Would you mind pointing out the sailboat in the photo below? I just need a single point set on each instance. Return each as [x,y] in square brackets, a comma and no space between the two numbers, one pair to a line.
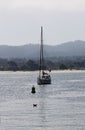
[44,77]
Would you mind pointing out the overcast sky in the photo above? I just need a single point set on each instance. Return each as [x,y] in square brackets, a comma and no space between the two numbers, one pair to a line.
[62,20]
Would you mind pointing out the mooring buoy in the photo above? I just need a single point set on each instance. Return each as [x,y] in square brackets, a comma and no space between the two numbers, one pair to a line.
[33,90]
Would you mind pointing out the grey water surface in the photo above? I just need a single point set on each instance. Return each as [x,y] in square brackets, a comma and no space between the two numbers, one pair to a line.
[60,106]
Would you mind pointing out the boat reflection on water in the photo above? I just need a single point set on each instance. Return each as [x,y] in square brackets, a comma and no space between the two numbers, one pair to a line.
[42,108]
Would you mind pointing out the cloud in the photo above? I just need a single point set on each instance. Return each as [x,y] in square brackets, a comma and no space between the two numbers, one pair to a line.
[20,20]
[66,5]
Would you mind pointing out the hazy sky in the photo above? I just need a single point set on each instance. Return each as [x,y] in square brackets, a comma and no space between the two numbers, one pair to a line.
[62,20]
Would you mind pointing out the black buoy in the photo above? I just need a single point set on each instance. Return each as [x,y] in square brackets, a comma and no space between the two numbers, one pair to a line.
[33,90]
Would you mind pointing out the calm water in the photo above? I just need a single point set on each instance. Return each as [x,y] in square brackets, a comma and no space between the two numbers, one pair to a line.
[60,106]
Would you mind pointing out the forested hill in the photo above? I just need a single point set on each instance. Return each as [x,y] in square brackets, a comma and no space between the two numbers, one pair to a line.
[72,48]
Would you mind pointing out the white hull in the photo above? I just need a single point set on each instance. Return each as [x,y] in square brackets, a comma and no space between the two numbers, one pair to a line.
[41,80]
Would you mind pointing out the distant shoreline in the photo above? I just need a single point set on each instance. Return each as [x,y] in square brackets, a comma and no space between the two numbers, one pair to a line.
[74,70]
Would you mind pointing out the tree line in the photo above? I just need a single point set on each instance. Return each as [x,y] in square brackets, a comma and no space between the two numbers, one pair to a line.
[32,65]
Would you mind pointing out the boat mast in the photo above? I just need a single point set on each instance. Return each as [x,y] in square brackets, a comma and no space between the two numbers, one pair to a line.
[41,53]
